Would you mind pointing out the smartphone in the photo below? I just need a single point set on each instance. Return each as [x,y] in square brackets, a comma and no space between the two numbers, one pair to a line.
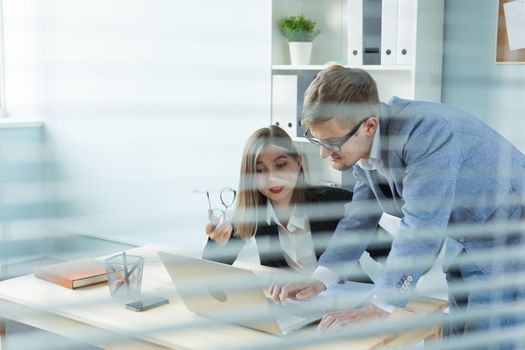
[146,303]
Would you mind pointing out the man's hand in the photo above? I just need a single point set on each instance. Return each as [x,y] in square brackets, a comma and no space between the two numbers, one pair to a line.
[295,290]
[220,234]
[339,319]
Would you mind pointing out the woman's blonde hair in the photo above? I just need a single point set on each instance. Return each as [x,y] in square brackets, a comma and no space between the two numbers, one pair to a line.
[250,202]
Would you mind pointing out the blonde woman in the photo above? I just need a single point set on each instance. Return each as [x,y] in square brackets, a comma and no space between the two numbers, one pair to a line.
[290,220]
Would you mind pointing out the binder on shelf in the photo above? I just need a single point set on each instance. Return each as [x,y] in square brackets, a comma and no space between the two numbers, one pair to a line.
[405,22]
[389,10]
[355,32]
[372,32]
[284,102]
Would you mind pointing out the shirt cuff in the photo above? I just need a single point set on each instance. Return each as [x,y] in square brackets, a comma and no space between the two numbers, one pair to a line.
[326,276]
[383,306]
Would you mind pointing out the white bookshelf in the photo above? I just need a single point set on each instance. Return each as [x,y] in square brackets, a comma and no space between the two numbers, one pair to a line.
[276,68]
[420,79]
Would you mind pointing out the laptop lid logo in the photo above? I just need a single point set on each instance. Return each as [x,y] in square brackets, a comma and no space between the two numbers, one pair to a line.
[218,294]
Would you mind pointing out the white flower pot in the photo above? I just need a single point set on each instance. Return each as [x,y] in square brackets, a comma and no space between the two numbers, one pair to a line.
[300,52]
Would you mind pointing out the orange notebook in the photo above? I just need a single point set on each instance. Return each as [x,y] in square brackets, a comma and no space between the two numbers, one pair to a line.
[75,273]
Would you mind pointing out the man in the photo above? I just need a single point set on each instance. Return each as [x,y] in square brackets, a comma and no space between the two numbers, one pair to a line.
[454,180]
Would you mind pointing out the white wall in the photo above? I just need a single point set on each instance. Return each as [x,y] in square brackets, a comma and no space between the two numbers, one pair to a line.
[471,79]
[144,102]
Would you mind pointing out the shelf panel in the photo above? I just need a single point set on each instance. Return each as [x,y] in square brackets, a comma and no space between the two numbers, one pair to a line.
[288,67]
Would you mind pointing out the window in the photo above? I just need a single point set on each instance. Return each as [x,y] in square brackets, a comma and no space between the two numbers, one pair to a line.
[2,72]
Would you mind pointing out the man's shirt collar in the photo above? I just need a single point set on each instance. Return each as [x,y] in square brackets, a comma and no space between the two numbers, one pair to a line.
[374,162]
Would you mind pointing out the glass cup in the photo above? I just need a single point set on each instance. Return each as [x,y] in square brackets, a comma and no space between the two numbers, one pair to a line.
[124,275]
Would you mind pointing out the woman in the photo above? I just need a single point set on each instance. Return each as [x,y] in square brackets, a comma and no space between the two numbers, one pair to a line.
[290,220]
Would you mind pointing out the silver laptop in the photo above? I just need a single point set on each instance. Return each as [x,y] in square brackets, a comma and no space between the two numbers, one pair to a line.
[227,293]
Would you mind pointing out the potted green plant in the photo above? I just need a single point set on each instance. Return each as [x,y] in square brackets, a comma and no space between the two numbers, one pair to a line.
[300,32]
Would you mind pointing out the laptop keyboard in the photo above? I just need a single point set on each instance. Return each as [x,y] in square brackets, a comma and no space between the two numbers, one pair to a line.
[288,321]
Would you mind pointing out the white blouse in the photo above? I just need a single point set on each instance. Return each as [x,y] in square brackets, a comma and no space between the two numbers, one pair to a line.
[295,239]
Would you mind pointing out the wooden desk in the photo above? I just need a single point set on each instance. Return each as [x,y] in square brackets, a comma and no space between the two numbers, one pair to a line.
[90,315]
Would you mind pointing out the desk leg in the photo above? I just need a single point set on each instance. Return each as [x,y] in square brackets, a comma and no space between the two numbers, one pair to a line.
[2,331]
[436,336]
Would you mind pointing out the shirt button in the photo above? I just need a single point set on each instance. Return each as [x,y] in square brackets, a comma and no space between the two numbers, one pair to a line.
[410,278]
[461,240]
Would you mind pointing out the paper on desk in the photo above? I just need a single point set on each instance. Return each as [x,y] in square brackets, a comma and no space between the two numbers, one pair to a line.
[515,22]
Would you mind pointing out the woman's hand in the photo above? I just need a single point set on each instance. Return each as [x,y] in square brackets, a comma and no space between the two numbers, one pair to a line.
[220,234]
[295,290]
